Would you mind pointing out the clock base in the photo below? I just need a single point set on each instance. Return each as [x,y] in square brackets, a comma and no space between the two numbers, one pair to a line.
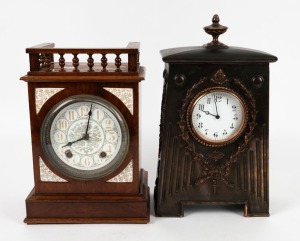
[87,208]
[177,209]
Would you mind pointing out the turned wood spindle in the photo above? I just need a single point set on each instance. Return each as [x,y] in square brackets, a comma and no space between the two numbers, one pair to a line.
[75,63]
[104,62]
[47,62]
[90,63]
[42,60]
[62,63]
[118,62]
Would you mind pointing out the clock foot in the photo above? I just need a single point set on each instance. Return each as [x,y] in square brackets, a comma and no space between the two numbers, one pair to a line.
[169,210]
[258,215]
[97,208]
[252,212]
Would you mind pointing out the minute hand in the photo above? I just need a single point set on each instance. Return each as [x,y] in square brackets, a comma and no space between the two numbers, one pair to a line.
[87,127]
[215,100]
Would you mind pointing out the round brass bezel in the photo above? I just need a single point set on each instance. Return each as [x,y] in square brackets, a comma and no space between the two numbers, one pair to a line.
[216,143]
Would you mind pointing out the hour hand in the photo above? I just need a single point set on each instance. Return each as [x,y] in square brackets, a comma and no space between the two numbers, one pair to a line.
[208,113]
[72,142]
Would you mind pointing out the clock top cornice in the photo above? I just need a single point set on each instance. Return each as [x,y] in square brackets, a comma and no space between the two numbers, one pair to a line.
[215,51]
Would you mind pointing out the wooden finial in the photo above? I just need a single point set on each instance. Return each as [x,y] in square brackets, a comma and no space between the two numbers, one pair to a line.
[215,29]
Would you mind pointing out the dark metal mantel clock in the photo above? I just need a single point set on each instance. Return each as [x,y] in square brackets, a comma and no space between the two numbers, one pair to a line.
[85,136]
[214,132]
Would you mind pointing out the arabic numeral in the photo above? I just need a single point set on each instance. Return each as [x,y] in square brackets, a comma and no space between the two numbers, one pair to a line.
[206,132]
[224,133]
[216,134]
[235,117]
[200,125]
[218,98]
[201,107]
[231,127]
[208,100]
[198,116]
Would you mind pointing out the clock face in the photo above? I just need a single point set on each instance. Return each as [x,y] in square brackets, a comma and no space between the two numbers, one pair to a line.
[217,116]
[85,137]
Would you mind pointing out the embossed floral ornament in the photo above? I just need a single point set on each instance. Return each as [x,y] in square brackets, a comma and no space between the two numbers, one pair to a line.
[219,78]
[42,95]
[216,156]
[95,141]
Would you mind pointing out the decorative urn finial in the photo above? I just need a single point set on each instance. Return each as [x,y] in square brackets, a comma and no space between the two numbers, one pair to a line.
[215,29]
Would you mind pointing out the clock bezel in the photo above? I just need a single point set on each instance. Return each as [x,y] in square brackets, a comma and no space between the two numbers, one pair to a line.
[216,143]
[71,171]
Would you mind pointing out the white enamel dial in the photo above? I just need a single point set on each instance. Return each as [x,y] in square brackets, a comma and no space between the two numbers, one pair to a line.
[217,116]
[85,137]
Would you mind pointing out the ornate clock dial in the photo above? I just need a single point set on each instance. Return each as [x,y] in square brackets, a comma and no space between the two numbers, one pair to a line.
[85,137]
[217,116]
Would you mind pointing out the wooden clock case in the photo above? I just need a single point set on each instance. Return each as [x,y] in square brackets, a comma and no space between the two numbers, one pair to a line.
[190,172]
[70,200]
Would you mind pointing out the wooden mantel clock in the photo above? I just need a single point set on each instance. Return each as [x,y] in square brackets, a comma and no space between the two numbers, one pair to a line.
[214,132]
[85,136]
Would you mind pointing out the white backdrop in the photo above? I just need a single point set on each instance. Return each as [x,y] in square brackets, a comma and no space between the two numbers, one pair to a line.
[266,25]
